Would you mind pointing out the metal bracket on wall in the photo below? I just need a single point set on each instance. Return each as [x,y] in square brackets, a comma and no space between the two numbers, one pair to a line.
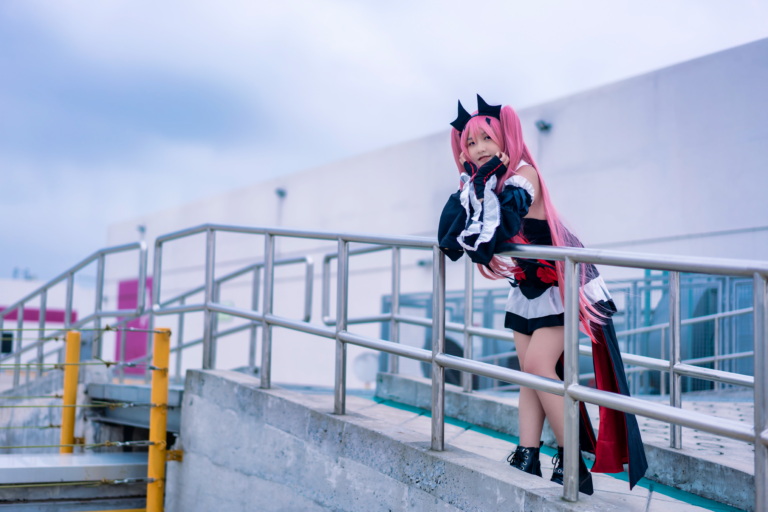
[175,455]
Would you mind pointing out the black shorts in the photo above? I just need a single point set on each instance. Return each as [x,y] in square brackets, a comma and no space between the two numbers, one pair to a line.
[527,325]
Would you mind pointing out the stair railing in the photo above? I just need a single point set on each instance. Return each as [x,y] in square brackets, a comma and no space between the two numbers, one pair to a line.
[569,388]
[41,294]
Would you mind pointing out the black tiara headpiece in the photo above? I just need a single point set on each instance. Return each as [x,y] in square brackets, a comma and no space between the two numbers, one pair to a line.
[483,109]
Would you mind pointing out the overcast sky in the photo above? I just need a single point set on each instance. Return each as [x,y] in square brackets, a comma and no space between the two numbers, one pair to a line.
[112,109]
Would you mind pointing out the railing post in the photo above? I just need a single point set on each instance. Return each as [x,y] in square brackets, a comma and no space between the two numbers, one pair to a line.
[97,341]
[71,374]
[760,319]
[571,373]
[394,329]
[19,344]
[254,325]
[41,332]
[342,301]
[209,348]
[265,372]
[469,295]
[438,347]
[158,420]
[662,355]
[675,329]
[179,342]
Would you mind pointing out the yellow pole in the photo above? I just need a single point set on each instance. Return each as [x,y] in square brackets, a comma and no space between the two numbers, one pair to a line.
[71,371]
[158,419]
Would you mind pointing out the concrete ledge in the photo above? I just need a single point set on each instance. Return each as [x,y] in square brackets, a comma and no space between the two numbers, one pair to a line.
[275,449]
[680,469]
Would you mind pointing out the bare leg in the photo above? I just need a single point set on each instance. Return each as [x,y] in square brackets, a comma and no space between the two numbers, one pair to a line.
[541,356]
[531,413]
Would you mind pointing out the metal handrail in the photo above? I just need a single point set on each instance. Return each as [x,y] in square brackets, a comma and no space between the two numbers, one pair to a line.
[569,388]
[68,275]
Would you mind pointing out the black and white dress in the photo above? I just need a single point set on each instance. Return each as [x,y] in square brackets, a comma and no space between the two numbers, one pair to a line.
[498,224]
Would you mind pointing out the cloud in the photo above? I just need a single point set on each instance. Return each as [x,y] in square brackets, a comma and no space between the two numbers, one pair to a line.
[127,105]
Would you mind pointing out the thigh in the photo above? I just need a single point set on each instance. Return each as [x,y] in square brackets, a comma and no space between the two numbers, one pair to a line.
[522,342]
[544,349]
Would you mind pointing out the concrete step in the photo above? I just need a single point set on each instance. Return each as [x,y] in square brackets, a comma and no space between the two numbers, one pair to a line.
[286,451]
[133,393]
[708,466]
[72,482]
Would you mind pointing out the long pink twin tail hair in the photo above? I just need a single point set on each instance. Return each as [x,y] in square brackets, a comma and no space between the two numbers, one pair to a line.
[507,133]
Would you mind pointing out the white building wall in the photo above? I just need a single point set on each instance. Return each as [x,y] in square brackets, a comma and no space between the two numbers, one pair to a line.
[668,162]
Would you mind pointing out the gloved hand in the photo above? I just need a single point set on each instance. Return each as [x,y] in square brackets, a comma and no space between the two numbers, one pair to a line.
[494,166]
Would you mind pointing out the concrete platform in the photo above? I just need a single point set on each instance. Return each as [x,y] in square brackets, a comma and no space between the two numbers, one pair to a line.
[286,451]
[708,466]
[77,467]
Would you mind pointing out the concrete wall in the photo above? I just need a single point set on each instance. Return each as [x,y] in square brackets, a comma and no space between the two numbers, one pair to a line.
[251,449]
[669,162]
[48,385]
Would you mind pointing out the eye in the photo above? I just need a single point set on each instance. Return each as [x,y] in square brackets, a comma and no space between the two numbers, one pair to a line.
[487,137]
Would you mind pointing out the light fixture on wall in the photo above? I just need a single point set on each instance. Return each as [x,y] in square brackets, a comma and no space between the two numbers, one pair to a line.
[543,126]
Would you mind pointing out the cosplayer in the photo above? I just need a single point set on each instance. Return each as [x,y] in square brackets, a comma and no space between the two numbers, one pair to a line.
[502,201]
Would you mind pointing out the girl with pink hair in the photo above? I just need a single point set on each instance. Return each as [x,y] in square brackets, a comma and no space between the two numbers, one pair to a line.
[502,201]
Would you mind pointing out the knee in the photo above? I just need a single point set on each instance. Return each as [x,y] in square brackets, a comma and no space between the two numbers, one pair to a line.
[540,368]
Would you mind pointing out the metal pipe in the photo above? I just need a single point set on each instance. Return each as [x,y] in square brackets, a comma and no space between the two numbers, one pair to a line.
[419,354]
[342,289]
[394,326]
[325,307]
[744,268]
[140,303]
[469,296]
[68,300]
[662,377]
[308,283]
[19,343]
[83,263]
[158,421]
[500,373]
[571,453]
[300,326]
[438,348]
[209,347]
[174,310]
[760,319]
[41,334]
[254,326]
[69,399]
[690,419]
[98,301]
[265,373]
[215,319]
[699,372]
[675,398]
[198,341]
[179,344]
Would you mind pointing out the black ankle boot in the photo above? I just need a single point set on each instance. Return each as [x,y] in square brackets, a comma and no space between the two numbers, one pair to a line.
[525,459]
[585,477]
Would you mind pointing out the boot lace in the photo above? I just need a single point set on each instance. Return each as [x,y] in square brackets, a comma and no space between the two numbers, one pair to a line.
[517,458]
[557,463]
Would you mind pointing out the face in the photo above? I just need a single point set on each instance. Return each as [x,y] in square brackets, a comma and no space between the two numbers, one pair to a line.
[482,149]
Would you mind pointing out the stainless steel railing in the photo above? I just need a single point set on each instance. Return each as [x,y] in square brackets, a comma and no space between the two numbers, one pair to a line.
[570,388]
[337,329]
[69,275]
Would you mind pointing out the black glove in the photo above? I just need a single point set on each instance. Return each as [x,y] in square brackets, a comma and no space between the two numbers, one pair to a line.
[470,168]
[494,166]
